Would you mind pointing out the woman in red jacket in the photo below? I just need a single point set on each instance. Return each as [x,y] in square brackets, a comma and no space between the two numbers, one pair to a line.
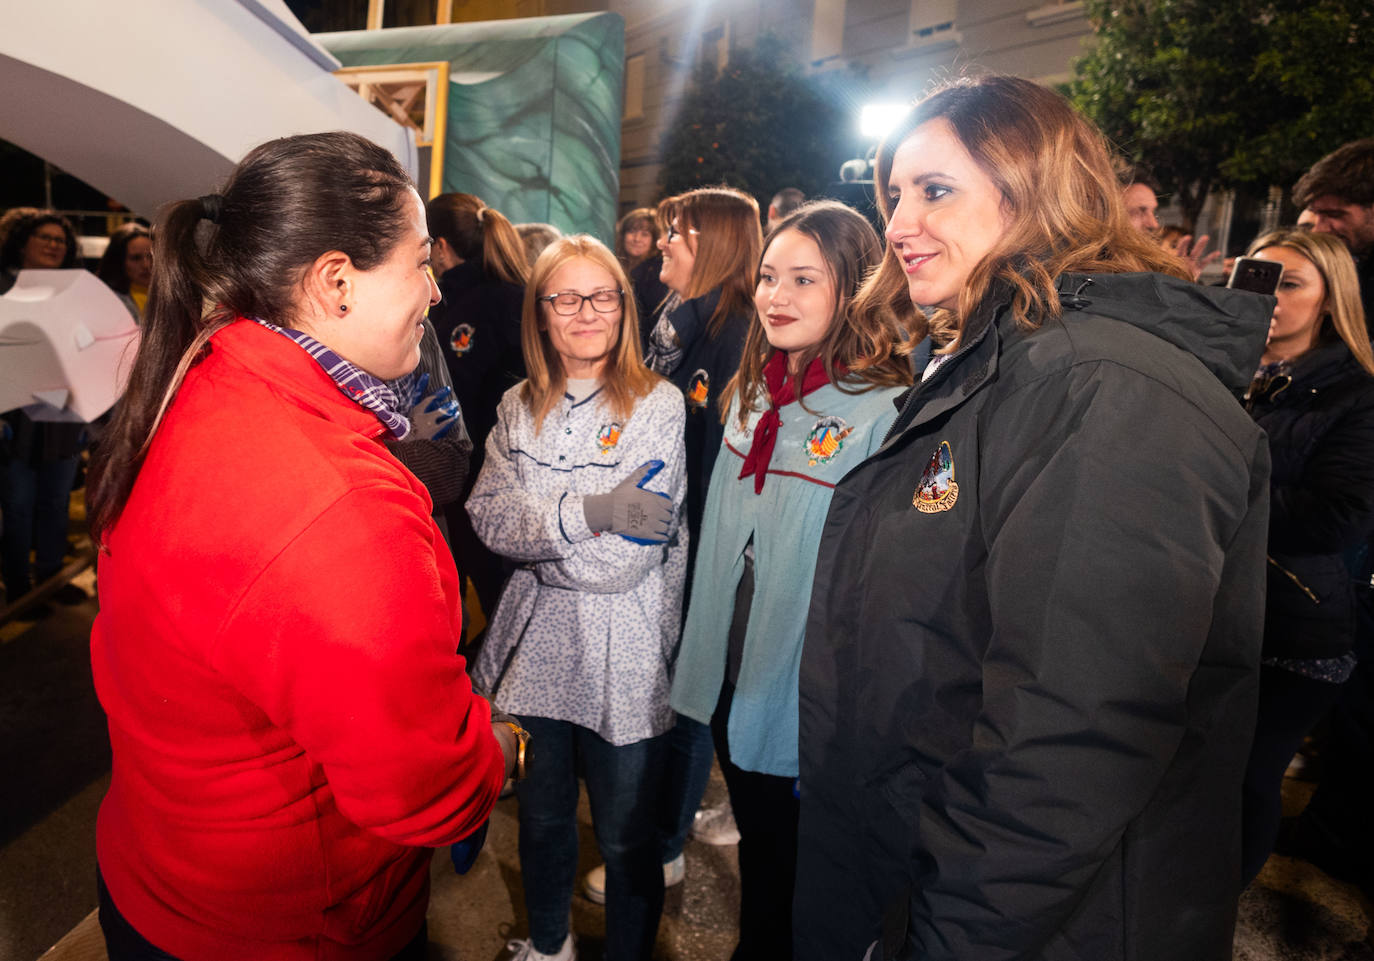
[291,728]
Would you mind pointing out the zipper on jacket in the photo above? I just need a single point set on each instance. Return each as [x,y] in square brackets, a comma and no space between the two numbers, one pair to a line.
[1295,579]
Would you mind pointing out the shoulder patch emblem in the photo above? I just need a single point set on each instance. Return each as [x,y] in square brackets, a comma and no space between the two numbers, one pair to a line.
[937,491]
[608,437]
[461,340]
[826,439]
[698,389]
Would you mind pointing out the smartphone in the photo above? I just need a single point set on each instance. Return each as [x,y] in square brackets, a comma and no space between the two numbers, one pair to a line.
[1254,274]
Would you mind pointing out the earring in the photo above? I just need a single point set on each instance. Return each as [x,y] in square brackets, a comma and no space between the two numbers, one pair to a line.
[343,308]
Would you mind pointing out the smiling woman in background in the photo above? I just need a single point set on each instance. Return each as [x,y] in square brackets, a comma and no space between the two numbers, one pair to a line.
[38,458]
[1028,681]
[582,642]
[813,397]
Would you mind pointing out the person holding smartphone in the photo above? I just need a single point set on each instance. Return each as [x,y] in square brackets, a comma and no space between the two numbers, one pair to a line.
[1314,397]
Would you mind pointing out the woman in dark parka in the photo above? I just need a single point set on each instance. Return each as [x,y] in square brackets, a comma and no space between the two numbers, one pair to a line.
[1028,683]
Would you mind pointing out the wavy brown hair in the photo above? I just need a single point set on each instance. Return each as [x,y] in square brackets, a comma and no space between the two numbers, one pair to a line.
[727,245]
[625,379]
[868,345]
[1059,191]
[641,218]
[1342,313]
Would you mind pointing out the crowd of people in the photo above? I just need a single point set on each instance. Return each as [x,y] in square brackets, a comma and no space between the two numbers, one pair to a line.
[1001,564]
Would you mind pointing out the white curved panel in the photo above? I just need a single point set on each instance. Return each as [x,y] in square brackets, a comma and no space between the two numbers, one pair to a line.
[155,100]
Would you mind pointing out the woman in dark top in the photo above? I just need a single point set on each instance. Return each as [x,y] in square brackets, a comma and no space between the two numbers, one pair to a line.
[127,266]
[38,458]
[710,252]
[1314,397]
[481,266]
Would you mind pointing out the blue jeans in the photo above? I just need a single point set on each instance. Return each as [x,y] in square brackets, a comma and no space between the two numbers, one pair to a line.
[622,785]
[35,503]
[689,769]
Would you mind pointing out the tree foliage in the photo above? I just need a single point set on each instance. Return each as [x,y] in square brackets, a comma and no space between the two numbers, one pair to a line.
[1228,93]
[759,125]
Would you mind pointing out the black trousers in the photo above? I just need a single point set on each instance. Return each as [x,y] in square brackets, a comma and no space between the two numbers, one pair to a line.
[766,811]
[1336,831]
[123,943]
[1290,705]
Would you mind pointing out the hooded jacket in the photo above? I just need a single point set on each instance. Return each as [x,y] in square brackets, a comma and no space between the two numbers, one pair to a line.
[1320,422]
[1028,685]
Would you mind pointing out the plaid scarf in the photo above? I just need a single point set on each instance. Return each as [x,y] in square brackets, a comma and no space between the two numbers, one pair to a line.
[353,382]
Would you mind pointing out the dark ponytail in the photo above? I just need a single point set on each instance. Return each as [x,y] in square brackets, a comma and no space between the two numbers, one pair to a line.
[287,202]
[479,233]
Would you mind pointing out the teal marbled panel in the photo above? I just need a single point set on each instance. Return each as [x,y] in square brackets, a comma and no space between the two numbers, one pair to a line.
[540,142]
[585,180]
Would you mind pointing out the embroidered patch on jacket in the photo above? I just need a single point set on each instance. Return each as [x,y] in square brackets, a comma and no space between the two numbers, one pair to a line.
[826,439]
[461,341]
[608,437]
[698,389]
[937,491]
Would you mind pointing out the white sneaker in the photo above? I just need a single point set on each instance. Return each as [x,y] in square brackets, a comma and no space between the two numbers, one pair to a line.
[594,884]
[523,950]
[715,825]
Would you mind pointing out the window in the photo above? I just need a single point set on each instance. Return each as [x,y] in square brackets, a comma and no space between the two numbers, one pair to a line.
[634,87]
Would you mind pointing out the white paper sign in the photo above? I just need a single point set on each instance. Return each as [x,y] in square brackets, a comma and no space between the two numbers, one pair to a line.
[64,337]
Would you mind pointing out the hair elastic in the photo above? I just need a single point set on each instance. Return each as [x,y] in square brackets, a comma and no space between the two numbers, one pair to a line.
[211,207]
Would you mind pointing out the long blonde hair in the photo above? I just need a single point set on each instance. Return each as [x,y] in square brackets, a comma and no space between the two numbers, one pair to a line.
[728,242]
[625,378]
[1060,192]
[869,348]
[1343,314]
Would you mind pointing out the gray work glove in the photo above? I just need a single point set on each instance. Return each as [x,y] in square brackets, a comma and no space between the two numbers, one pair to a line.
[642,516]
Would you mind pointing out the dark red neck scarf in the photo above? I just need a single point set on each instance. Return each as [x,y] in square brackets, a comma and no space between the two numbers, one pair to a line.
[782,391]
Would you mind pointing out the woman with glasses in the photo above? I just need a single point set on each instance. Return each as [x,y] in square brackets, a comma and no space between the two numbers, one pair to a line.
[38,458]
[582,486]
[1314,397]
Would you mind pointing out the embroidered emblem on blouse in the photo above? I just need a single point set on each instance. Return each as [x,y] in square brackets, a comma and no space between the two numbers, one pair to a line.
[461,341]
[698,389]
[937,491]
[825,440]
[608,437]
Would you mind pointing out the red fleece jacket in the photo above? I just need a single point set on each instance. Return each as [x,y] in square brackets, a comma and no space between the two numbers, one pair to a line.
[275,652]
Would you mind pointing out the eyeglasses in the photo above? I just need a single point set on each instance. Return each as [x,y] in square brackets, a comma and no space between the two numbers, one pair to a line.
[674,232]
[567,303]
[54,240]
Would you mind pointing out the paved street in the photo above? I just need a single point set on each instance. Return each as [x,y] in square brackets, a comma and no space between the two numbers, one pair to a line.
[55,765]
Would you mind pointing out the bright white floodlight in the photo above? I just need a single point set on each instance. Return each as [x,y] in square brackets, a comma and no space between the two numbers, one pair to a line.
[876,119]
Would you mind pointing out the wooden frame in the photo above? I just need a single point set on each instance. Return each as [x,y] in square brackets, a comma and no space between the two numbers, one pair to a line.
[415,95]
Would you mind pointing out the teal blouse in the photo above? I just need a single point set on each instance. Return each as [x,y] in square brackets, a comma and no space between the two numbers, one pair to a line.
[816,446]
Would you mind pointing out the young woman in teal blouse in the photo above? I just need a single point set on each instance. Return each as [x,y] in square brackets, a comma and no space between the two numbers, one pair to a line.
[766,504]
